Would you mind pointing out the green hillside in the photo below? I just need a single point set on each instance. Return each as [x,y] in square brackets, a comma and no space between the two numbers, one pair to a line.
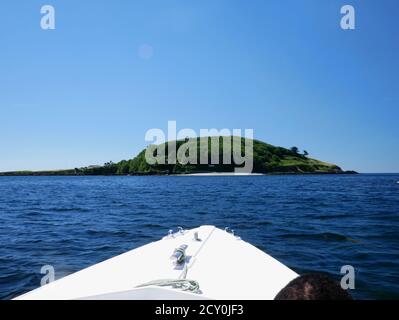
[267,159]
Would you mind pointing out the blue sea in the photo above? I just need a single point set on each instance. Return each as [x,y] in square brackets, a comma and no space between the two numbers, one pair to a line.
[312,223]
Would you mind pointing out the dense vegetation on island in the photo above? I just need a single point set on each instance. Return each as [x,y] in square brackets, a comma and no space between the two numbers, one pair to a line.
[267,159]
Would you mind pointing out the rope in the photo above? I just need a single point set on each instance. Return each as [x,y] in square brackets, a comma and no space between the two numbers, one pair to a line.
[182,284]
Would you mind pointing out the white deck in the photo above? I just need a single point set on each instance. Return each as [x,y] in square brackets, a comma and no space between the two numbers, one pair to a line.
[225,266]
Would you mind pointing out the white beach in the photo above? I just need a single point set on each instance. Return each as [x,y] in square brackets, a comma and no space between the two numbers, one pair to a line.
[227,174]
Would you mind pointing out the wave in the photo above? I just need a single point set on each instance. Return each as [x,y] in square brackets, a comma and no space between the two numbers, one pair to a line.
[326,236]
[105,233]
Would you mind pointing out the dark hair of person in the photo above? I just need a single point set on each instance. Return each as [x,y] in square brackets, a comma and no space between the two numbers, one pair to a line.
[313,287]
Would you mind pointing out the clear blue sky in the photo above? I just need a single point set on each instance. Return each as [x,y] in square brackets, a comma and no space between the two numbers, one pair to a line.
[82,94]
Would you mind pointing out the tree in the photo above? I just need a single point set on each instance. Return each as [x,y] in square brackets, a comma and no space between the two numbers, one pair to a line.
[294,150]
[305,153]
[123,167]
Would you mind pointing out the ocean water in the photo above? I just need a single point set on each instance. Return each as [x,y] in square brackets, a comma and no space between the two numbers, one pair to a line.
[313,223]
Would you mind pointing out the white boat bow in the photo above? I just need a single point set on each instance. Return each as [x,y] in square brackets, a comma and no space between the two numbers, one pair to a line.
[223,266]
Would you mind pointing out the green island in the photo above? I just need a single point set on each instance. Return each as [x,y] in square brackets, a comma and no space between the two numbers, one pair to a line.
[267,159]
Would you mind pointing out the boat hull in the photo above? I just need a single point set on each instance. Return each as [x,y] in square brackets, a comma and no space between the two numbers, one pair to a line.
[225,267]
